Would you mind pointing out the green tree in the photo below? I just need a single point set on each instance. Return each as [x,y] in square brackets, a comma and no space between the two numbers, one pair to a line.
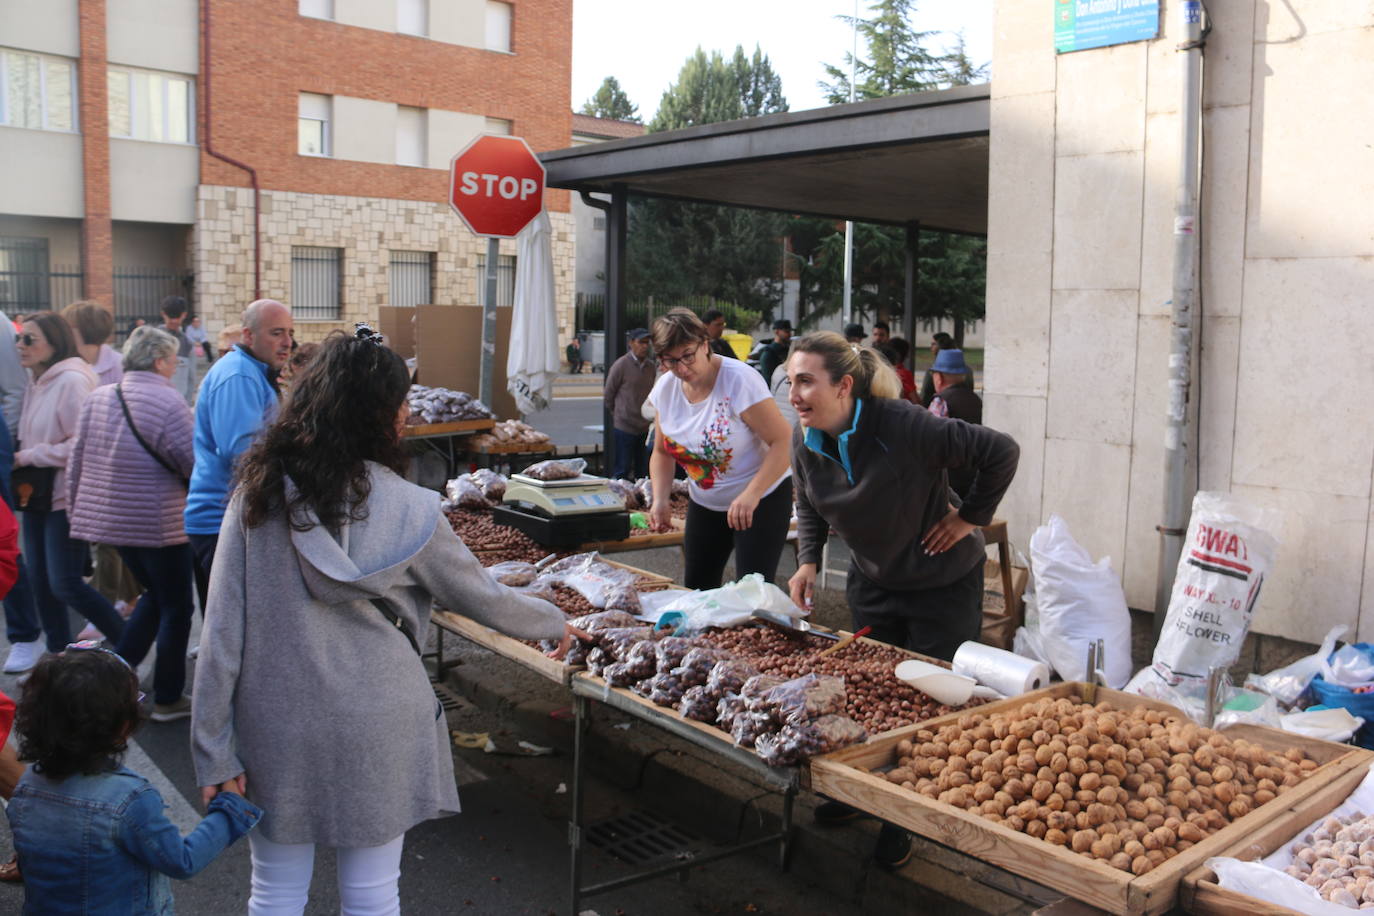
[678,250]
[610,101]
[897,60]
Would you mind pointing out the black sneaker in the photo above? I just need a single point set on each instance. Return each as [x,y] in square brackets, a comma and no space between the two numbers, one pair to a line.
[893,849]
[833,812]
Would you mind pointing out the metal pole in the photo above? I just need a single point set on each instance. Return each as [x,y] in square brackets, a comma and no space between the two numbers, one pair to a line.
[848,310]
[616,224]
[581,723]
[910,289]
[489,322]
[1176,434]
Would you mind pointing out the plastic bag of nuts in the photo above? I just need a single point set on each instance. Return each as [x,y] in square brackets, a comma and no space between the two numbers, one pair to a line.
[696,667]
[665,690]
[699,703]
[728,709]
[729,675]
[795,743]
[749,726]
[513,573]
[671,651]
[618,640]
[493,484]
[603,620]
[756,689]
[556,469]
[807,697]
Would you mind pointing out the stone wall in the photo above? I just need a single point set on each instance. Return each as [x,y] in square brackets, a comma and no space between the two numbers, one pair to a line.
[1083,165]
[367,229]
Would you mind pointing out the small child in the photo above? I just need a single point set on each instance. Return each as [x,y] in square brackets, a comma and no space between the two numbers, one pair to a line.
[90,834]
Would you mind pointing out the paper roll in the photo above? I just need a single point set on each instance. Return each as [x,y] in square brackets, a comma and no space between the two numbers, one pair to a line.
[1005,672]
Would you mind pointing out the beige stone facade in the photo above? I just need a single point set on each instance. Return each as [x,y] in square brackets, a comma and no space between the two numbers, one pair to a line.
[1083,166]
[367,229]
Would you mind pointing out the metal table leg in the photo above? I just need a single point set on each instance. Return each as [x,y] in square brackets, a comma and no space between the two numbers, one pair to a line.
[785,847]
[581,722]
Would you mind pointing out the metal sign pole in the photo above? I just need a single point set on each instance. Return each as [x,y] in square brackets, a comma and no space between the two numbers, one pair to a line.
[489,322]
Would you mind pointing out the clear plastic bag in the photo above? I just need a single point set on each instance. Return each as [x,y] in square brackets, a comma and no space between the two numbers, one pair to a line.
[465,494]
[810,696]
[732,604]
[1349,666]
[748,727]
[696,665]
[626,491]
[598,660]
[556,469]
[756,689]
[540,589]
[729,675]
[617,641]
[795,743]
[620,674]
[671,651]
[603,585]
[514,573]
[665,690]
[493,484]
[1288,683]
[603,620]
[728,708]
[699,703]
[641,659]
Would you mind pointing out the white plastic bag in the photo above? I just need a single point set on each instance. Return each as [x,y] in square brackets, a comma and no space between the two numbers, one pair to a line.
[1337,725]
[1225,558]
[1261,881]
[1348,666]
[732,604]
[1286,684]
[1080,602]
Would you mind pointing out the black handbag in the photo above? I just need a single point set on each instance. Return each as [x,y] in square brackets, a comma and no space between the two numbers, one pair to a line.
[32,488]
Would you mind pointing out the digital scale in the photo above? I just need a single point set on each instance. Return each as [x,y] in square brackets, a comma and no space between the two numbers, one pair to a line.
[563,513]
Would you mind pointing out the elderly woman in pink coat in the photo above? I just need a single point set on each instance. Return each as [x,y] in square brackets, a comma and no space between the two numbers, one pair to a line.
[126,481]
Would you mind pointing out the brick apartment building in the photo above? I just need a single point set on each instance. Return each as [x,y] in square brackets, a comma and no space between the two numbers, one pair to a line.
[131,133]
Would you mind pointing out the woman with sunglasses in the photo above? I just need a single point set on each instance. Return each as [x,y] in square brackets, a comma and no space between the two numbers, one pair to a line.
[717,420]
[309,681]
[47,431]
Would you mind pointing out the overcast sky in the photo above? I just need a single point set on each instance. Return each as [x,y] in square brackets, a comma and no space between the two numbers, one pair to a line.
[643,43]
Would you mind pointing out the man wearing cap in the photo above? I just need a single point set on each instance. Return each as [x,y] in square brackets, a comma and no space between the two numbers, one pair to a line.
[957,402]
[854,333]
[628,383]
[940,341]
[775,353]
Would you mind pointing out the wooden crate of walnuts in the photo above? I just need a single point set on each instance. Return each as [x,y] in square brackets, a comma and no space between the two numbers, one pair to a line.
[1112,804]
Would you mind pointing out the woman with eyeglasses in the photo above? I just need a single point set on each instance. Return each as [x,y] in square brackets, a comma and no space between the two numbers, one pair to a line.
[309,683]
[47,431]
[716,418]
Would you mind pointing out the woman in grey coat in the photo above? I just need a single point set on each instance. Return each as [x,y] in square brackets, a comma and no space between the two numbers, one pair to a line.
[305,689]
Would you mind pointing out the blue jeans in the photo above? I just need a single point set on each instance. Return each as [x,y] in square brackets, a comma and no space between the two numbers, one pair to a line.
[58,561]
[631,456]
[21,617]
[163,613]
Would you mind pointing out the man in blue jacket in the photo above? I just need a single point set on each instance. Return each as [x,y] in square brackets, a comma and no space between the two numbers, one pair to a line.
[237,398]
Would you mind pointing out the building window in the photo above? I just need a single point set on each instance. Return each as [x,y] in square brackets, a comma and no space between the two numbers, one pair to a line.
[500,126]
[313,125]
[412,17]
[498,26]
[505,280]
[24,281]
[315,282]
[317,9]
[411,278]
[37,91]
[151,106]
[410,136]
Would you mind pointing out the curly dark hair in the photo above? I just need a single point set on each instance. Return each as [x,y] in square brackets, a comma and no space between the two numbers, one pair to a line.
[77,713]
[340,414]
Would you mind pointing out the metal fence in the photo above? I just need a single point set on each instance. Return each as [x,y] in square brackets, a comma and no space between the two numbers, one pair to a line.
[505,280]
[591,312]
[24,291]
[139,291]
[315,282]
[411,273]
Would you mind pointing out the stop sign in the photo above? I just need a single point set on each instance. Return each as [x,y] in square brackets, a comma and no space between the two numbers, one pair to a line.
[496,184]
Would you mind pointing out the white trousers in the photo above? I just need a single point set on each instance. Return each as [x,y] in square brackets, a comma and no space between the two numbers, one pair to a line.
[368,878]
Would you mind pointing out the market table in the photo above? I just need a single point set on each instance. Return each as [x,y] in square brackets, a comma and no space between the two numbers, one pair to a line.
[442,438]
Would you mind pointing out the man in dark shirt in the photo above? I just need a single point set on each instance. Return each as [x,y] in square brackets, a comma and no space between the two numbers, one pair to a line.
[714,319]
[628,383]
[775,353]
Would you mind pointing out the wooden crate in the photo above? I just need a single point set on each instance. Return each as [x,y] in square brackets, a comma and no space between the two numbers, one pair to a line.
[1200,893]
[416,431]
[641,542]
[505,646]
[843,776]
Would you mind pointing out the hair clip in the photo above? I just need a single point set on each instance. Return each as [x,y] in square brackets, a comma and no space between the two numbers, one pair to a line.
[363,331]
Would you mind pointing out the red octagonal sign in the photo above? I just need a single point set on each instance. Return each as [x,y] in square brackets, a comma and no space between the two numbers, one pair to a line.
[496,184]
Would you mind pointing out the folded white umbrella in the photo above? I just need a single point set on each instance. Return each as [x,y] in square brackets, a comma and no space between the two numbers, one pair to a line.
[532,364]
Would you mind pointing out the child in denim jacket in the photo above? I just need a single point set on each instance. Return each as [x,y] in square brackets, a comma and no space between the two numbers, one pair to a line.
[91,834]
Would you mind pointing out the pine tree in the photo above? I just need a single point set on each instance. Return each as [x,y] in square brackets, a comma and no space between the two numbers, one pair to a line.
[610,101]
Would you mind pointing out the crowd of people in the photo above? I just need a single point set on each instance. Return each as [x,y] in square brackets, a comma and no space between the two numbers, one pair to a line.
[279,492]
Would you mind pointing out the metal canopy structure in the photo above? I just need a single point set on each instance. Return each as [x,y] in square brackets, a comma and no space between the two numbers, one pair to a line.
[912,158]
[919,161]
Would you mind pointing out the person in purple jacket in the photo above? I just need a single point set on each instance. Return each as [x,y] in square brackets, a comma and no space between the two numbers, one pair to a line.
[126,481]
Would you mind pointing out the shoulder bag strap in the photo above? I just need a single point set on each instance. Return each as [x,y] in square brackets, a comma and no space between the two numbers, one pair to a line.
[128,417]
[397,622]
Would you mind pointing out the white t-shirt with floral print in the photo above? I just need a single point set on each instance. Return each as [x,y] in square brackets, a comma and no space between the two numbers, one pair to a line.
[717,449]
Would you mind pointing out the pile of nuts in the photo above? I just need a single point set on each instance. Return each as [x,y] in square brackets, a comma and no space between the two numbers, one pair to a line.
[1338,860]
[876,699]
[1132,788]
